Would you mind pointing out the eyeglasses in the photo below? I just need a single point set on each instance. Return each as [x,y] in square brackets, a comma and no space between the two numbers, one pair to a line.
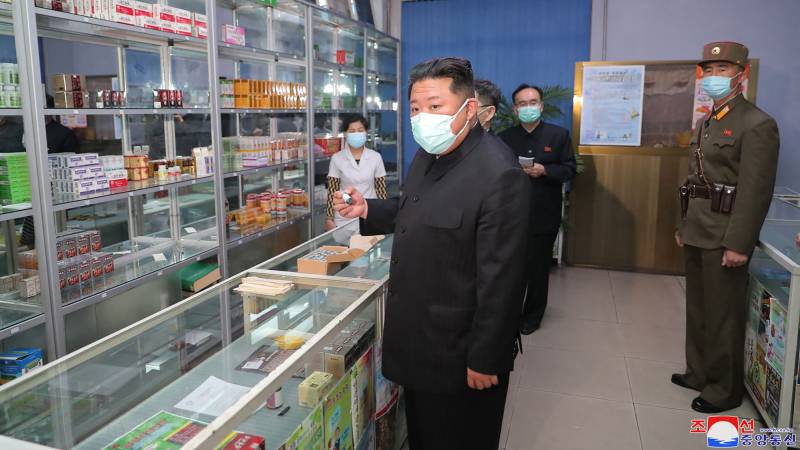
[530,103]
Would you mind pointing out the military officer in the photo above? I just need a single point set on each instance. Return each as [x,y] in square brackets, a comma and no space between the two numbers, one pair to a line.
[724,202]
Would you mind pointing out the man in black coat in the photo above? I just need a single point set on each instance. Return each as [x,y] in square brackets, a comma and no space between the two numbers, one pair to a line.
[553,164]
[457,268]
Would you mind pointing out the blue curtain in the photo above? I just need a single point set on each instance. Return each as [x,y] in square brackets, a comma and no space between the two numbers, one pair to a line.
[508,41]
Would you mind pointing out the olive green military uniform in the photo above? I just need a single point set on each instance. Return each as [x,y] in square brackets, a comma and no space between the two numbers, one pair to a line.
[739,143]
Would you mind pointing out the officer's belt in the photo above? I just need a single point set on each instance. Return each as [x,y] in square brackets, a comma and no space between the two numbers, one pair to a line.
[699,191]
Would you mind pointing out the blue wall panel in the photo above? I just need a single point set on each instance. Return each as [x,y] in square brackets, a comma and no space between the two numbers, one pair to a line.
[508,42]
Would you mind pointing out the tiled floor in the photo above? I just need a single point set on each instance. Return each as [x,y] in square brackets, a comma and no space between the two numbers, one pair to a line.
[596,375]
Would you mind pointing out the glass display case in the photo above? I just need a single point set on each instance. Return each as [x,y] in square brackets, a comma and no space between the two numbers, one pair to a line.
[772,337]
[175,370]
[149,149]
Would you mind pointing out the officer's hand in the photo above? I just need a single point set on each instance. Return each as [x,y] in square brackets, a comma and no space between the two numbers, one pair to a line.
[797,240]
[678,239]
[733,258]
[538,170]
[480,381]
[358,208]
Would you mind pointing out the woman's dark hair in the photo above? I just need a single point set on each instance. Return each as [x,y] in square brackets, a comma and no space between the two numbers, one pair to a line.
[353,118]
[457,69]
[524,86]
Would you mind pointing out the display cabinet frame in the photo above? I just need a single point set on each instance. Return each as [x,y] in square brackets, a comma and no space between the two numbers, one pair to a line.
[31,23]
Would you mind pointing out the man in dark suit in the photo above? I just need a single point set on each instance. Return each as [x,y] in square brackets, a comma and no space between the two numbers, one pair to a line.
[553,164]
[457,267]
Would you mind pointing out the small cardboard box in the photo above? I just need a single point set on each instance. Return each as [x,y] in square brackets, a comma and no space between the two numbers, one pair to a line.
[327,259]
[364,242]
[313,389]
[198,276]
[347,347]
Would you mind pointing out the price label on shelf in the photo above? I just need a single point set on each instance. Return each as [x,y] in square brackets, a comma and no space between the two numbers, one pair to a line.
[159,257]
[190,230]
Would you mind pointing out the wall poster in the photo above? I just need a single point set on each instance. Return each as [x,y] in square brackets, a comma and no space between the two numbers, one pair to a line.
[612,105]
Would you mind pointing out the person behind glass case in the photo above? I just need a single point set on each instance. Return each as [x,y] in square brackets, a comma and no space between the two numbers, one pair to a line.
[457,265]
[553,163]
[724,202]
[355,166]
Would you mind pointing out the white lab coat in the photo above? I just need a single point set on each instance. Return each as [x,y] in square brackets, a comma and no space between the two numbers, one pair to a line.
[358,175]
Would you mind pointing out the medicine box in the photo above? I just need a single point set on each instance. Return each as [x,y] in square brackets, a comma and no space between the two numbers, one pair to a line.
[347,347]
[19,361]
[200,26]
[327,259]
[313,389]
[233,35]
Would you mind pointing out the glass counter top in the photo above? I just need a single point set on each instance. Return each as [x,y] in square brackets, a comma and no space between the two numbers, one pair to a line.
[781,227]
[89,399]
[372,265]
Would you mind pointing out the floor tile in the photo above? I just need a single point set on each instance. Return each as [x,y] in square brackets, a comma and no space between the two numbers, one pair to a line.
[581,294]
[578,335]
[508,415]
[648,299]
[547,421]
[653,342]
[650,384]
[575,373]
[668,429]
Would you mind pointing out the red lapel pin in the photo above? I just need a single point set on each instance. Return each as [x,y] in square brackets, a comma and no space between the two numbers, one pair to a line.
[727,132]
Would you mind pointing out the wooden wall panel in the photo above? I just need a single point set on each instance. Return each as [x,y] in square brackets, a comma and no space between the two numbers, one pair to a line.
[623,212]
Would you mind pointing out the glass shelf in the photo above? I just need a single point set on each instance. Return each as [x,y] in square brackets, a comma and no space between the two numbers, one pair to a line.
[235,238]
[262,111]
[125,111]
[135,260]
[63,202]
[61,23]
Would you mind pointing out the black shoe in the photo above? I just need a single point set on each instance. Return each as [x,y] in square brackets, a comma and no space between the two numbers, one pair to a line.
[528,327]
[702,406]
[680,380]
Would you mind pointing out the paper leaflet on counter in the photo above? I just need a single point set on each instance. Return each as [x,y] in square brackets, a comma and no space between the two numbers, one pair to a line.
[212,397]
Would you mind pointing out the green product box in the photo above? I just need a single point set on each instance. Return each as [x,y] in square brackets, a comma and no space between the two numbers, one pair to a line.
[198,276]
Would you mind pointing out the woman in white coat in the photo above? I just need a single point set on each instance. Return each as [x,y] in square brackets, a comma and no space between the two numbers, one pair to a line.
[355,166]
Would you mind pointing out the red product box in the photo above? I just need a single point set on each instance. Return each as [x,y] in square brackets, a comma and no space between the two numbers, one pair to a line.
[184,29]
[108,263]
[121,182]
[70,248]
[151,23]
[166,15]
[85,270]
[237,441]
[200,26]
[142,9]
[84,245]
[97,267]
[183,16]
[96,241]
[124,12]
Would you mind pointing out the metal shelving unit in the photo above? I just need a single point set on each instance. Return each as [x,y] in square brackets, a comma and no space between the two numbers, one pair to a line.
[147,220]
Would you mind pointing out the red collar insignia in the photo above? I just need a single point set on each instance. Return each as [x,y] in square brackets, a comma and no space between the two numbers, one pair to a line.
[548,149]
[727,132]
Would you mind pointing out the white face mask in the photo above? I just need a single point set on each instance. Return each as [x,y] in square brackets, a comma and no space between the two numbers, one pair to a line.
[432,131]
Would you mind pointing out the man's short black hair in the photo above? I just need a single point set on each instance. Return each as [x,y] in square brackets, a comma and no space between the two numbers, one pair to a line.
[353,118]
[457,69]
[524,86]
[488,93]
